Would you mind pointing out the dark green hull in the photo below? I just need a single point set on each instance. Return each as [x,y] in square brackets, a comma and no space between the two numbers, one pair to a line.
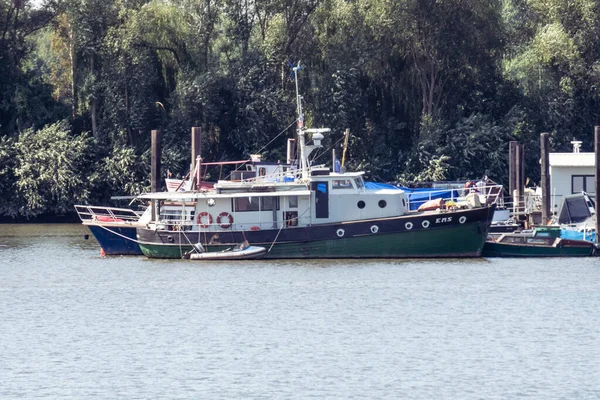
[463,235]
[492,249]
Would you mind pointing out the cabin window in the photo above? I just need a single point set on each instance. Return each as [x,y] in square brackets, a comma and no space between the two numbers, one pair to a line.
[341,184]
[262,171]
[176,219]
[510,239]
[175,214]
[359,183]
[582,183]
[246,204]
[293,202]
[269,203]
[242,175]
[534,240]
[242,204]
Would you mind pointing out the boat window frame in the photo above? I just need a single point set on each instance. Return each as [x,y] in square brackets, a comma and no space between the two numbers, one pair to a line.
[293,201]
[512,239]
[275,203]
[337,184]
[585,180]
[359,182]
[538,241]
[236,202]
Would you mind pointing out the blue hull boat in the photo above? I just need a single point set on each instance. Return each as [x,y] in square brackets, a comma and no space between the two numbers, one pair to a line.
[113,228]
[115,240]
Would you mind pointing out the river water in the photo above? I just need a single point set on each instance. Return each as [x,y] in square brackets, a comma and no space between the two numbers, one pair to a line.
[75,325]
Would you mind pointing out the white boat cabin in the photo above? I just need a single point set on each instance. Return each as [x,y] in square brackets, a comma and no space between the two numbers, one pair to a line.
[571,173]
[278,201]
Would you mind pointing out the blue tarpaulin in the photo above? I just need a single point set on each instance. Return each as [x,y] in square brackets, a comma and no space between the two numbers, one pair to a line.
[575,235]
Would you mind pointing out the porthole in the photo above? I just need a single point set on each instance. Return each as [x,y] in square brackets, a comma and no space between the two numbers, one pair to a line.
[374,229]
[425,224]
[170,239]
[340,232]
[382,203]
[361,204]
[408,225]
[462,219]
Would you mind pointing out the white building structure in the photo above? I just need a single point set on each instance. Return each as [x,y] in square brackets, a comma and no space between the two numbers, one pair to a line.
[571,173]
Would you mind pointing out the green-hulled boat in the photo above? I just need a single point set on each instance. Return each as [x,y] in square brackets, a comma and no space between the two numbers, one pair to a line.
[299,210]
[537,242]
[459,233]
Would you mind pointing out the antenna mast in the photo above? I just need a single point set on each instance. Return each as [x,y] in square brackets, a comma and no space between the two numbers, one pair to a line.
[300,126]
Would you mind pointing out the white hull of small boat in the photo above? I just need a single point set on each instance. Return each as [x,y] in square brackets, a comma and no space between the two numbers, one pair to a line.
[248,253]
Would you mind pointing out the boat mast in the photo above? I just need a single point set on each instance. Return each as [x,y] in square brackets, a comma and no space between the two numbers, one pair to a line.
[300,126]
[317,134]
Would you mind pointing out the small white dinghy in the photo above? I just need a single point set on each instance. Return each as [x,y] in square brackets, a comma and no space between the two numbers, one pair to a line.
[242,251]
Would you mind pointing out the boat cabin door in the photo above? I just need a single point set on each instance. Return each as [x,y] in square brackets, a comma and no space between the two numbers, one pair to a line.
[321,190]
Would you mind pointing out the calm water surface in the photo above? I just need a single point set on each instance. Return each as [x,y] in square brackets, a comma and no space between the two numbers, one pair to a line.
[78,326]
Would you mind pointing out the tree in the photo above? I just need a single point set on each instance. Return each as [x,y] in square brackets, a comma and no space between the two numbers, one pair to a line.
[553,61]
[7,176]
[18,21]
[51,170]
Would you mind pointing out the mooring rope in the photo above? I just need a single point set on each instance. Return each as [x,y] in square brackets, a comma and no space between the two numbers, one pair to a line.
[118,234]
[272,244]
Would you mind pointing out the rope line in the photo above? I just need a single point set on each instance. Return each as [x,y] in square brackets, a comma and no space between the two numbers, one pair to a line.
[273,244]
[320,154]
[265,146]
[118,234]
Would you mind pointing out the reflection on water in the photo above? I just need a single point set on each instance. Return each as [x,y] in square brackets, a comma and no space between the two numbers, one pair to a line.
[76,325]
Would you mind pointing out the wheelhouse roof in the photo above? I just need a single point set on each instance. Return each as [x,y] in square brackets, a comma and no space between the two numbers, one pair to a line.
[182,196]
[572,159]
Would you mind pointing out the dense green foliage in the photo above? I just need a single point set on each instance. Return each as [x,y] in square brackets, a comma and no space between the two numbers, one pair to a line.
[430,89]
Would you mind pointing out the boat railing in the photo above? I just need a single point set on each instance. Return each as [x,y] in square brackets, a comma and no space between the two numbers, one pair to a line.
[107,214]
[528,203]
[287,176]
[281,176]
[488,194]
[173,222]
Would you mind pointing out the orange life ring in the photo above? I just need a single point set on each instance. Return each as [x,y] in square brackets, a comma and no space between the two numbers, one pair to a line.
[224,225]
[202,215]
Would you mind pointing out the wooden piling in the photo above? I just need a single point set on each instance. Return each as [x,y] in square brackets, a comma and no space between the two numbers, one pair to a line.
[512,167]
[155,170]
[597,179]
[196,146]
[155,166]
[545,149]
[196,154]
[521,172]
[520,176]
